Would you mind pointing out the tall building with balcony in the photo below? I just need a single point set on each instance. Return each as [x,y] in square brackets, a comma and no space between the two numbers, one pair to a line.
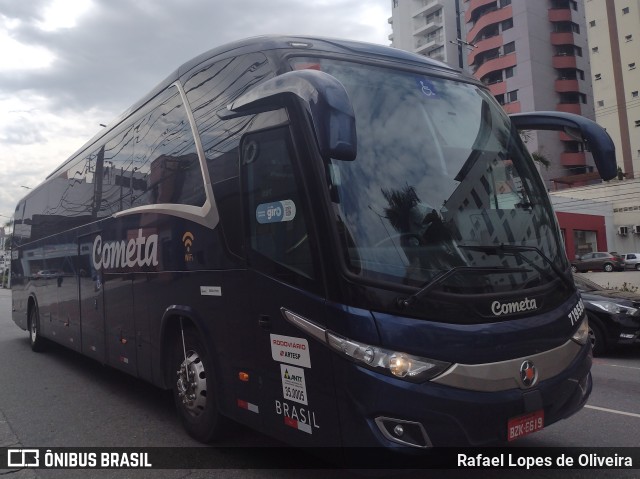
[428,27]
[533,55]
[613,28]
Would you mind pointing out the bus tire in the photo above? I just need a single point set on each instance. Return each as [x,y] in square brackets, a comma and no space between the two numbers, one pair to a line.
[195,395]
[36,339]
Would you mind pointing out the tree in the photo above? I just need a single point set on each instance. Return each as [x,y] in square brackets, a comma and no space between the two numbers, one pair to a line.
[537,156]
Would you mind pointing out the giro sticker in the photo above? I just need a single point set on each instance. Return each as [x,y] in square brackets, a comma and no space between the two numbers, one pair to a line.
[276,212]
[293,386]
[286,349]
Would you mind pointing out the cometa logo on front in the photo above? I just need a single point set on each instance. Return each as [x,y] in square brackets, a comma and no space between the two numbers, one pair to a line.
[500,309]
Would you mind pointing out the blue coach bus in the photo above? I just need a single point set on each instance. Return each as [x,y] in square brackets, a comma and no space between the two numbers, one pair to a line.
[334,243]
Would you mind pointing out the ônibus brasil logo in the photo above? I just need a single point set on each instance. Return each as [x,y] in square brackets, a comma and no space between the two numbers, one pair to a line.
[139,251]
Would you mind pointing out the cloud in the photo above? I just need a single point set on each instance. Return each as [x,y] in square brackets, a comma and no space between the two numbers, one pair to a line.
[121,49]
[114,51]
[25,133]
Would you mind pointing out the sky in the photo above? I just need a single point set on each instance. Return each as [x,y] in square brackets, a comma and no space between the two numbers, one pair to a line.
[67,66]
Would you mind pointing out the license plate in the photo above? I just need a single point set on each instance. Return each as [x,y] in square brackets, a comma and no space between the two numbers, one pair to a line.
[524,425]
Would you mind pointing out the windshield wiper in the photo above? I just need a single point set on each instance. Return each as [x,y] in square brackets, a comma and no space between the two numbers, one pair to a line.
[491,250]
[518,250]
[440,278]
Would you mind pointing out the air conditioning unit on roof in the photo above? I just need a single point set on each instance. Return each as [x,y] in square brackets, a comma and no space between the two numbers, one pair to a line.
[623,230]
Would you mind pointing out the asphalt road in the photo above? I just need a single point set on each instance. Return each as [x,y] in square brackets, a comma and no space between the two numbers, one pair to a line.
[59,398]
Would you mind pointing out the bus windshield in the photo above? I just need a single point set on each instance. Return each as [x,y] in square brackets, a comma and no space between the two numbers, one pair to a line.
[441,184]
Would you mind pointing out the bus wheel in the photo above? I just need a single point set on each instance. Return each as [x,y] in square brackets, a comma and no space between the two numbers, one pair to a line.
[37,341]
[194,388]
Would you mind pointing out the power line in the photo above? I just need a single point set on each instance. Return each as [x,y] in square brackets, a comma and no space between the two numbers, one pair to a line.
[614,108]
[600,199]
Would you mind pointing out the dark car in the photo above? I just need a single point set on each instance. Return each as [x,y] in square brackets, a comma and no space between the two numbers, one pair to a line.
[614,316]
[598,261]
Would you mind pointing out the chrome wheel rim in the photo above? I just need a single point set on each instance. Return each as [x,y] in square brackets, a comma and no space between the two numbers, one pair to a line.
[192,384]
[592,338]
[33,331]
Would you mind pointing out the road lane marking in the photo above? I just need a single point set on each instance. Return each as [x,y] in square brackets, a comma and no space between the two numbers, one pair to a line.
[621,366]
[602,363]
[614,411]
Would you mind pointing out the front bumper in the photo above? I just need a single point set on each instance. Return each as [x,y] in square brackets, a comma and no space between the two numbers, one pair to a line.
[449,416]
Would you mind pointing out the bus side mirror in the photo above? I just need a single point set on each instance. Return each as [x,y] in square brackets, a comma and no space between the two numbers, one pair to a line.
[596,138]
[325,100]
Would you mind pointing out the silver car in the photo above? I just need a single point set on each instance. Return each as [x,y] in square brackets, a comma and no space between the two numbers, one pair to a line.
[631,260]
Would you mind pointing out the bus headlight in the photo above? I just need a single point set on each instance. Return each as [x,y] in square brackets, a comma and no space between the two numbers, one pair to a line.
[398,364]
[581,336]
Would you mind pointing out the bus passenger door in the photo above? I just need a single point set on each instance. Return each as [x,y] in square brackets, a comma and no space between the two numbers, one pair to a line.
[117,285]
[297,397]
[91,301]
[67,286]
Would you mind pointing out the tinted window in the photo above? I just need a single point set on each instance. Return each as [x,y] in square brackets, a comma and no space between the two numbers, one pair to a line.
[152,160]
[77,198]
[273,205]
[210,89]
[114,167]
[165,160]
[149,159]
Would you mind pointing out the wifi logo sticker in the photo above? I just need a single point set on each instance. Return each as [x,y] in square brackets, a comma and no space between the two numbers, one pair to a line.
[187,240]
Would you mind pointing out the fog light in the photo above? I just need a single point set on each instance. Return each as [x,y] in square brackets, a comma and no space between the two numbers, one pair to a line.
[407,433]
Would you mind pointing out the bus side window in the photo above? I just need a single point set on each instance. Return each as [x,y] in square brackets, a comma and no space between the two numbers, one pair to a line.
[277,226]
[165,161]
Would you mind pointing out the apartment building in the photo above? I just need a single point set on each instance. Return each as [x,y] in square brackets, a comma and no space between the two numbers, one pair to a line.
[533,55]
[613,28]
[430,28]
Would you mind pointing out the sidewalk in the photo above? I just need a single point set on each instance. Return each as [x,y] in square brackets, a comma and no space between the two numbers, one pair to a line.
[9,439]
[616,280]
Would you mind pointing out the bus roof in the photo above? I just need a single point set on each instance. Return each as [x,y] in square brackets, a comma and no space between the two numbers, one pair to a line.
[316,44]
[277,42]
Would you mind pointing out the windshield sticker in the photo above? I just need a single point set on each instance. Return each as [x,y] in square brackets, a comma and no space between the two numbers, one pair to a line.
[293,386]
[427,87]
[276,212]
[286,349]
